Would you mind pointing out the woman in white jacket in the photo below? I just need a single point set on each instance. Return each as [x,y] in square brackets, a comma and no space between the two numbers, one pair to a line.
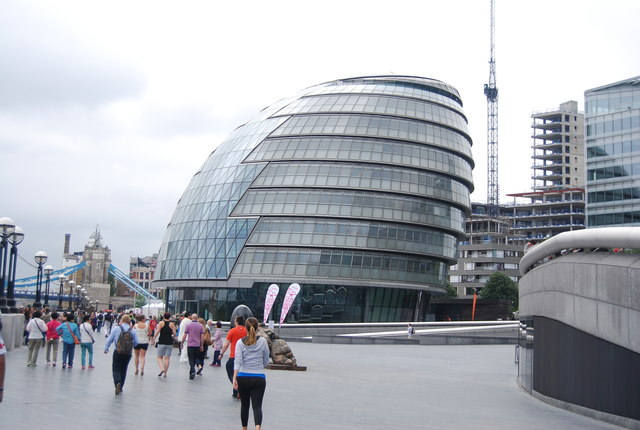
[252,356]
[37,330]
[183,325]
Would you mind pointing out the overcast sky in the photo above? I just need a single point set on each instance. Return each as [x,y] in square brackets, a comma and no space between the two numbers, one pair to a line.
[108,109]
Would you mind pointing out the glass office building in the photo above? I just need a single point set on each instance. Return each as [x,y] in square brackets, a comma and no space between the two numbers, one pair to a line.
[613,154]
[356,189]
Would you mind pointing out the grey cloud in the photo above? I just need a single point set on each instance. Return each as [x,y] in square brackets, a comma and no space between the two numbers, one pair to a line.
[43,65]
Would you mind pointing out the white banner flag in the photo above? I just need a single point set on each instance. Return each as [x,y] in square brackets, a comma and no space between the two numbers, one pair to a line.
[272,293]
[289,297]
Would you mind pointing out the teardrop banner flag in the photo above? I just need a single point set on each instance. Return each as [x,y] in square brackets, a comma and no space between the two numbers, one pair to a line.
[272,293]
[289,297]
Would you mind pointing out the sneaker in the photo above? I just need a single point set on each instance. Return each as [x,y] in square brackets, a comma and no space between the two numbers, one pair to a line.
[212,365]
[64,365]
[53,364]
[70,366]
[82,367]
[199,372]
[91,367]
[192,376]
[118,388]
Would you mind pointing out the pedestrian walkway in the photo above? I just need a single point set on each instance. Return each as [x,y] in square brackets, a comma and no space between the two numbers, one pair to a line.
[345,387]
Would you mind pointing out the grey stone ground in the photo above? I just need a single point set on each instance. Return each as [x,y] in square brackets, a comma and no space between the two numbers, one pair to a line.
[345,387]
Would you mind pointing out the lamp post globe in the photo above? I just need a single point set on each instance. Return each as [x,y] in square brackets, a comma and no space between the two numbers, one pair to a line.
[40,258]
[61,279]
[7,226]
[15,239]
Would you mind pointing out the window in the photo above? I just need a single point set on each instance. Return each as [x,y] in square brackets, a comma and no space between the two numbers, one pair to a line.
[567,149]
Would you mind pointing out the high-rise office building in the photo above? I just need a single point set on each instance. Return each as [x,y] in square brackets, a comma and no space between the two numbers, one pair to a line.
[613,154]
[356,189]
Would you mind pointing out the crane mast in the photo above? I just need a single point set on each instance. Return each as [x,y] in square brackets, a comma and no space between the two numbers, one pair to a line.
[491,92]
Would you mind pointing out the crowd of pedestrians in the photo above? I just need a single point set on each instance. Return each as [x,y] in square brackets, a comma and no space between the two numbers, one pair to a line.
[133,335]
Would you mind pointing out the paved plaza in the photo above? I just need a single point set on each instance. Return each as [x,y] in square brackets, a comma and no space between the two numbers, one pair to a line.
[345,387]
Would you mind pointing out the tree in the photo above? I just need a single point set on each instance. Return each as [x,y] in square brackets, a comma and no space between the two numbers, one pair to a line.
[140,301]
[451,292]
[500,286]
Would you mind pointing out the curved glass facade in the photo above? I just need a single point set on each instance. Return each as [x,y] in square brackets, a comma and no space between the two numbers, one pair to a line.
[356,189]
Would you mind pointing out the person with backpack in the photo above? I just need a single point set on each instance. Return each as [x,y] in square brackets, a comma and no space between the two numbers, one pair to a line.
[108,318]
[125,340]
[100,321]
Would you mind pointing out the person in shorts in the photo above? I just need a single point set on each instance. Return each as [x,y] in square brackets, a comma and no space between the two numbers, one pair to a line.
[140,351]
[163,340]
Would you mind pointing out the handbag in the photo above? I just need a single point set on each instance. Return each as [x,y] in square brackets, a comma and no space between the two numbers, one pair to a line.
[75,338]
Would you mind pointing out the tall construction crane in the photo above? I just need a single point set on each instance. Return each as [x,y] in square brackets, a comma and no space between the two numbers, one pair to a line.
[491,91]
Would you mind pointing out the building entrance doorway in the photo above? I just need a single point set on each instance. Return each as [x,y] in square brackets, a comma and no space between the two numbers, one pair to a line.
[188,305]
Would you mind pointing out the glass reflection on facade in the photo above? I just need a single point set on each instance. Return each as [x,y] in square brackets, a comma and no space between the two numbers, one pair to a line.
[613,154]
[356,189]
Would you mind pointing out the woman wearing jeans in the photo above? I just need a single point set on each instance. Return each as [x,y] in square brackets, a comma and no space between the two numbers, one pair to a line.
[252,356]
[69,332]
[86,341]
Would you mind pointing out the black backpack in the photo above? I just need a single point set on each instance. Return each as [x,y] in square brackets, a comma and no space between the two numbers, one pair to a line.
[124,344]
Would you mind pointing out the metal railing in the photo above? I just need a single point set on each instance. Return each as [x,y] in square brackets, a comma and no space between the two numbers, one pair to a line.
[605,237]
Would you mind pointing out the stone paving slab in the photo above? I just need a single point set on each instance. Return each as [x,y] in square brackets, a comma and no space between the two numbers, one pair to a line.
[344,387]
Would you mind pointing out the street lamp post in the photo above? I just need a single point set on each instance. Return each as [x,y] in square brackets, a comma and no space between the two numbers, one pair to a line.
[40,258]
[78,289]
[16,238]
[72,286]
[61,278]
[48,269]
[81,295]
[7,227]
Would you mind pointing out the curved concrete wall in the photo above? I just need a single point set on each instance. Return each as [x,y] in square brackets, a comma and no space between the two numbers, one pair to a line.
[580,350]
[598,293]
